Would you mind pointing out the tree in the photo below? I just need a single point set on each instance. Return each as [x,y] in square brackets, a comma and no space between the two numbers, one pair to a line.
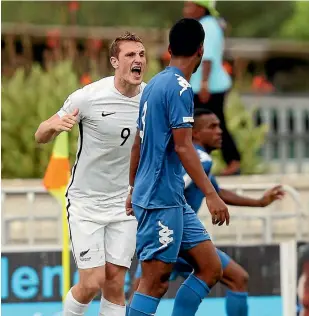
[297,26]
[247,18]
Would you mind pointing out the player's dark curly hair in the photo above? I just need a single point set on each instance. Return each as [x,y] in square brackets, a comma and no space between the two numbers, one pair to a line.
[197,114]
[186,37]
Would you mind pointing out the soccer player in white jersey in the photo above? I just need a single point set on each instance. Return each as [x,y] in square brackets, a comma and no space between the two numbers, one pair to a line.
[103,237]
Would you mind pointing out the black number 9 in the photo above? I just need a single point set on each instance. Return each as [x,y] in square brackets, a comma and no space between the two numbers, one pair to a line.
[125,134]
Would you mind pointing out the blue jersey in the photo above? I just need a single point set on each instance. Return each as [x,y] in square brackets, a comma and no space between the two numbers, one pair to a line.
[193,194]
[166,103]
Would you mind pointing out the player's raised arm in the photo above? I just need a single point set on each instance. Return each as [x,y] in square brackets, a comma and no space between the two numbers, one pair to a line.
[63,121]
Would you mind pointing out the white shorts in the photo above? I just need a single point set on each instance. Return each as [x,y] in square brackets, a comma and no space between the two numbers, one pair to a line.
[95,243]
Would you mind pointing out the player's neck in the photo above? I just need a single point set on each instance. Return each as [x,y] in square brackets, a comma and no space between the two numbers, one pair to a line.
[184,65]
[125,88]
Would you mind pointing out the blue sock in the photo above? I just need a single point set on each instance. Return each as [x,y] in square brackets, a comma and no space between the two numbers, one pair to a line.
[236,303]
[189,296]
[142,305]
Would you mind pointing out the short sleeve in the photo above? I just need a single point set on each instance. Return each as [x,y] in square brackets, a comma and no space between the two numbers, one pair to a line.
[180,104]
[76,100]
[211,39]
[214,183]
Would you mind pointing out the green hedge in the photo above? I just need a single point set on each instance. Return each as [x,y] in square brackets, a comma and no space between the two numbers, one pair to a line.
[29,99]
[26,101]
[248,137]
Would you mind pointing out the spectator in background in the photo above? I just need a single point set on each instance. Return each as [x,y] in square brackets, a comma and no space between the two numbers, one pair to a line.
[211,82]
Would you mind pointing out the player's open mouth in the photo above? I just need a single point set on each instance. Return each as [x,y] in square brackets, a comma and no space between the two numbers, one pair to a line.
[136,70]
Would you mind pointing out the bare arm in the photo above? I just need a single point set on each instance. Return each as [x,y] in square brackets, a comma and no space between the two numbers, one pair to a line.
[52,127]
[206,64]
[46,131]
[271,195]
[204,93]
[231,198]
[134,160]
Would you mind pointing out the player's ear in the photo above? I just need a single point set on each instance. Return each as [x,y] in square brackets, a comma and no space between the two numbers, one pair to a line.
[169,50]
[200,51]
[114,61]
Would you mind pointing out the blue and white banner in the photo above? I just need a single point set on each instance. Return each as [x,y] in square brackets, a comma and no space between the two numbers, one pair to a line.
[31,284]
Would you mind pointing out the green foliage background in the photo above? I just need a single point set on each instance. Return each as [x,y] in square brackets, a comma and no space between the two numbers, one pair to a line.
[248,137]
[286,19]
[28,100]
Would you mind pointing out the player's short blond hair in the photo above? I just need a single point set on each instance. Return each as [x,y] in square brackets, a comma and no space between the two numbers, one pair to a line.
[127,36]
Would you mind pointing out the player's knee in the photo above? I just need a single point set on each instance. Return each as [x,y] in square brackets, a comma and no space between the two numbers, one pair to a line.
[163,283]
[114,288]
[217,272]
[161,288]
[211,274]
[156,285]
[241,281]
[89,288]
[245,279]
[114,281]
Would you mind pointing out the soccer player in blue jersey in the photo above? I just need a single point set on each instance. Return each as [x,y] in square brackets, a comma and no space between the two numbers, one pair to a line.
[207,136]
[167,226]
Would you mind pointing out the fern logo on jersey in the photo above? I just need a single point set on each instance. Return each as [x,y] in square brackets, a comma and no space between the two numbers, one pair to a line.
[165,235]
[82,255]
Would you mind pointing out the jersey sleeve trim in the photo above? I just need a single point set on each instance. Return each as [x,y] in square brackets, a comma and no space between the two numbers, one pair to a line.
[183,125]
[62,113]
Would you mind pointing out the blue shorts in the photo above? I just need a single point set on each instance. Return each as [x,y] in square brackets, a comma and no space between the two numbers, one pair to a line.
[162,233]
[183,268]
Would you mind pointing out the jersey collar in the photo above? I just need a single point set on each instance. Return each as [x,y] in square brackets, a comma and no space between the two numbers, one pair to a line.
[201,148]
[175,70]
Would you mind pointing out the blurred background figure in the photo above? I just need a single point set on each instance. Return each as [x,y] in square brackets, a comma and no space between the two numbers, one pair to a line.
[303,281]
[211,82]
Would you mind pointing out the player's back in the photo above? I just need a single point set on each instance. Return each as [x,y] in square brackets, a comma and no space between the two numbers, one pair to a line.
[166,103]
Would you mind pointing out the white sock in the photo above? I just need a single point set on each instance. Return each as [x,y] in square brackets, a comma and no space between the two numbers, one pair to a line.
[73,308]
[110,309]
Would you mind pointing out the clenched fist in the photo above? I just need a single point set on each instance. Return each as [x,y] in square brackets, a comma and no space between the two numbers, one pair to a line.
[66,122]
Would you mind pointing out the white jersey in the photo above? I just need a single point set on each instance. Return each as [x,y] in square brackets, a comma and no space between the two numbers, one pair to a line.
[107,125]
